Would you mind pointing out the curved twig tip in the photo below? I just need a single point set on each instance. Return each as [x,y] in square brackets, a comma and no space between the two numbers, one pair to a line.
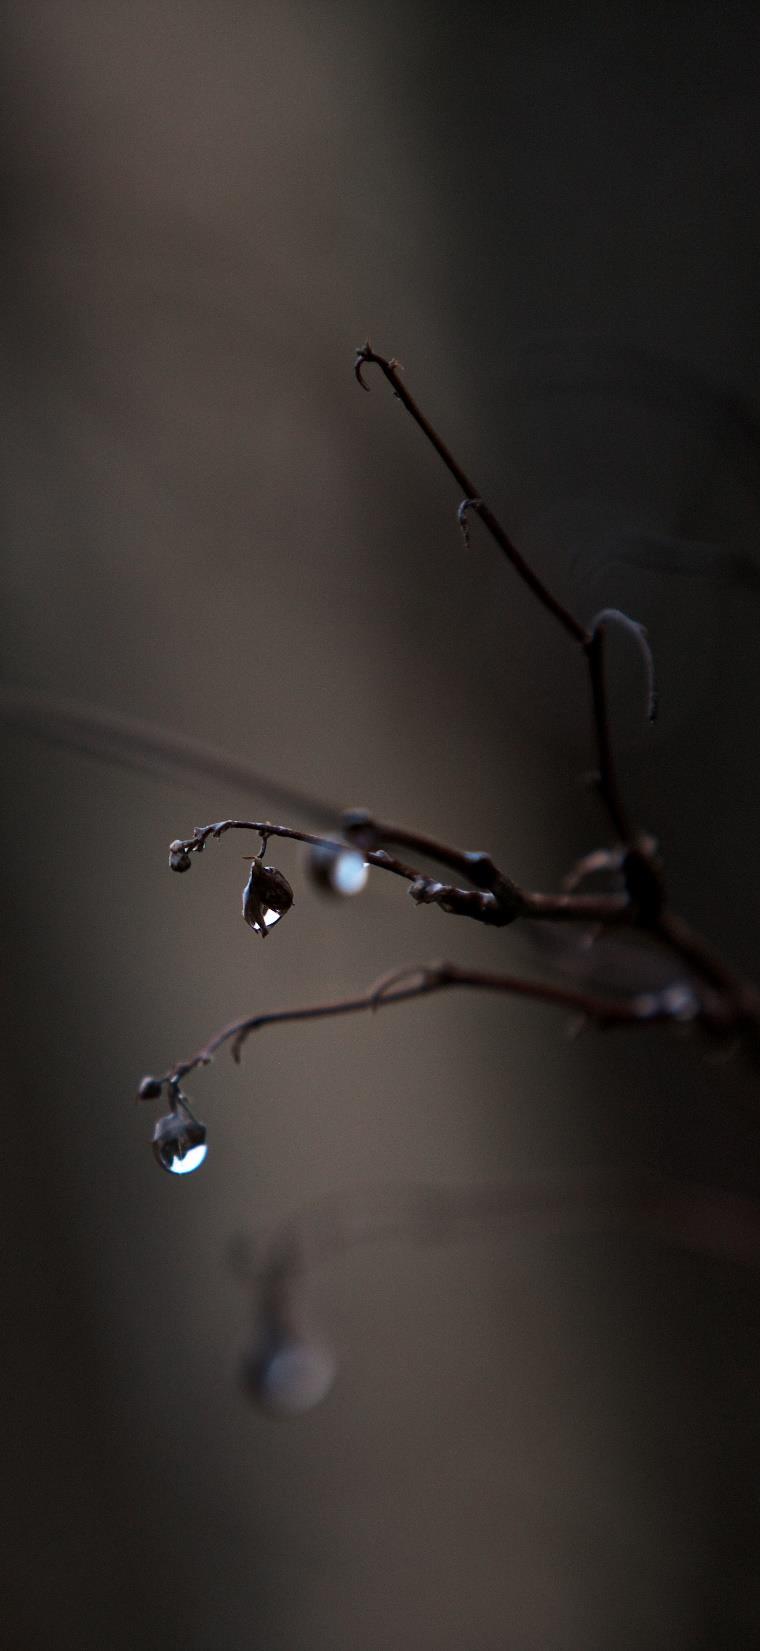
[467,504]
[363,355]
[616,616]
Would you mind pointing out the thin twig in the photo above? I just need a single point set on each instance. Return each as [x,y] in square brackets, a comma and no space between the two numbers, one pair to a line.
[495,900]
[591,641]
[721,1002]
[475,502]
[678,935]
[615,616]
[473,864]
[266,829]
[609,791]
[644,1008]
[640,905]
[641,871]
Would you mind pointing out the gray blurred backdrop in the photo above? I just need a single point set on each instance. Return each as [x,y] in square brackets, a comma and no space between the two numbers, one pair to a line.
[550,215]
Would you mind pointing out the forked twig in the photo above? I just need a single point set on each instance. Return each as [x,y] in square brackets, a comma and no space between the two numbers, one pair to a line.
[713,994]
[284,1371]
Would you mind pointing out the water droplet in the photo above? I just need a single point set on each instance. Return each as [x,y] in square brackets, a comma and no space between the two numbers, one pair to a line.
[680,1001]
[266,897]
[350,873]
[185,1163]
[179,859]
[289,1377]
[342,871]
[179,1139]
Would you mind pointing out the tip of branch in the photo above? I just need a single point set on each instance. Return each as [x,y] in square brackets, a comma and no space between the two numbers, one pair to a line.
[467,504]
[363,355]
[615,616]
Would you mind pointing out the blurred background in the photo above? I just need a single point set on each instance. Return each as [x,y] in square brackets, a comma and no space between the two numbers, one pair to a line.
[549,213]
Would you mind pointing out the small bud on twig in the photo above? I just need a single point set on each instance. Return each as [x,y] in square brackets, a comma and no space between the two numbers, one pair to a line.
[150,1089]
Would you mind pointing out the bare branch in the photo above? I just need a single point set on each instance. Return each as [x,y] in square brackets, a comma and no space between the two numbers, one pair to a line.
[591,641]
[495,900]
[641,905]
[266,829]
[643,1009]
[712,994]
[367,356]
[475,865]
[594,649]
[589,865]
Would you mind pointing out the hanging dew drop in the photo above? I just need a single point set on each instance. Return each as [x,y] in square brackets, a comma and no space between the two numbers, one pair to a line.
[185,1163]
[267,896]
[179,1139]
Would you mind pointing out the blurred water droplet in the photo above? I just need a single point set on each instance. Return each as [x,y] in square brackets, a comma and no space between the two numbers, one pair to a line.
[350,873]
[681,1002]
[289,1377]
[342,871]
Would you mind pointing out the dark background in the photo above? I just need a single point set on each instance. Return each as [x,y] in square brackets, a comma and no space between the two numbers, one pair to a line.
[550,215]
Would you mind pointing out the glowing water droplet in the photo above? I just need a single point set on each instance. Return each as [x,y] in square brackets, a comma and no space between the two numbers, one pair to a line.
[341,871]
[192,1160]
[179,1139]
[349,873]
